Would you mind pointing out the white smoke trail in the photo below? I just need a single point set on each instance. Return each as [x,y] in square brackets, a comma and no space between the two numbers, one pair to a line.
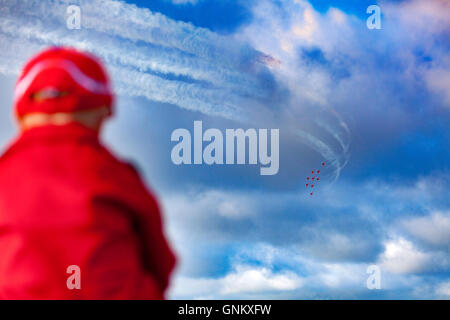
[160,59]
[204,85]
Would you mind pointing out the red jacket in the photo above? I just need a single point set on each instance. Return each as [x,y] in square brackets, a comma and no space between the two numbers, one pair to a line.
[65,200]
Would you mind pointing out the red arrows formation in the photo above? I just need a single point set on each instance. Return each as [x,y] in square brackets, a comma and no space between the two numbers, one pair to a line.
[314,179]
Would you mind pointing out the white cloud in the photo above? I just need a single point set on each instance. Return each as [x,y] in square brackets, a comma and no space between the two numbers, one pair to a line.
[400,256]
[241,281]
[342,275]
[306,279]
[420,16]
[331,244]
[249,279]
[443,289]
[422,23]
[433,229]
[230,209]
[232,205]
[438,80]
[193,288]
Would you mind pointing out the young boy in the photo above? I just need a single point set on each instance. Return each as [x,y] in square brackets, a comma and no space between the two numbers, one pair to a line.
[75,222]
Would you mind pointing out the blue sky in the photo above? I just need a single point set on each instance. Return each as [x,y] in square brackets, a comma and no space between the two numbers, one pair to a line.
[373,104]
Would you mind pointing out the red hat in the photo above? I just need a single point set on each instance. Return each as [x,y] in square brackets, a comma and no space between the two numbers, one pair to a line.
[62,80]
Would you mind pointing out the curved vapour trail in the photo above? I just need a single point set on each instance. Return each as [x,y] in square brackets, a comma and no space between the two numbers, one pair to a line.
[342,136]
[155,57]
[339,158]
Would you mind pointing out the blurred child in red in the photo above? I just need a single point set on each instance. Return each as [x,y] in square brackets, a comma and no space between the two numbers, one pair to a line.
[65,200]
